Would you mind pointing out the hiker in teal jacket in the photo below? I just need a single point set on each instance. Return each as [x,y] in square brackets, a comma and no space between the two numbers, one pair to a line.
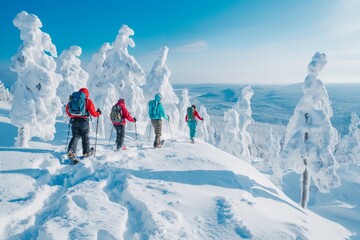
[156,113]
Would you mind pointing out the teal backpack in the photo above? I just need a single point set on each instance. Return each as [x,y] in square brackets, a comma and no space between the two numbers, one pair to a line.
[190,113]
[153,109]
[77,104]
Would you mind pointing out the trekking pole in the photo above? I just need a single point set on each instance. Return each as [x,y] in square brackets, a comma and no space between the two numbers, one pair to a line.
[137,144]
[149,131]
[97,126]
[67,139]
[171,134]
[112,129]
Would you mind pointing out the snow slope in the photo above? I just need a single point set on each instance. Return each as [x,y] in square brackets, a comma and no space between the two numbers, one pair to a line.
[181,191]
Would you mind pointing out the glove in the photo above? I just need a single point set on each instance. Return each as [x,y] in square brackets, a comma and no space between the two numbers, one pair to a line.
[99,111]
[168,117]
[134,119]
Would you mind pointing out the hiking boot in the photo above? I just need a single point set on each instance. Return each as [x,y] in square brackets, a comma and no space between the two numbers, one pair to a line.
[124,148]
[192,140]
[86,154]
[71,154]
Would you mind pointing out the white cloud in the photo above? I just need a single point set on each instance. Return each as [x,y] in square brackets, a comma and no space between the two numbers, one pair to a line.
[191,47]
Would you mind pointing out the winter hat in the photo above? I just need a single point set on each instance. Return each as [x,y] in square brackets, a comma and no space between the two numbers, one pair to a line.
[121,100]
[84,90]
[158,97]
[193,106]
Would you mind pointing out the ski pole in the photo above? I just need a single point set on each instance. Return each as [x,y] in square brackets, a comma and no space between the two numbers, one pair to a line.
[97,126]
[67,139]
[137,144]
[170,133]
[111,134]
[149,131]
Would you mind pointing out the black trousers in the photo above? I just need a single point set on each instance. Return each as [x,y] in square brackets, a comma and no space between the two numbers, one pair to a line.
[80,129]
[120,134]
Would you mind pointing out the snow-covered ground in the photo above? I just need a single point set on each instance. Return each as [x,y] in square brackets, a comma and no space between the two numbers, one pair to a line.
[181,191]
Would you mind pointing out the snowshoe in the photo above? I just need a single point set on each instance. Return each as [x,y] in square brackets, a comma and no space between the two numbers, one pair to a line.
[72,157]
[90,153]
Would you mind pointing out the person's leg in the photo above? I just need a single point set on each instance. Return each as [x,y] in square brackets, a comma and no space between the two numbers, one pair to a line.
[157,124]
[120,142]
[192,127]
[85,129]
[117,128]
[75,130]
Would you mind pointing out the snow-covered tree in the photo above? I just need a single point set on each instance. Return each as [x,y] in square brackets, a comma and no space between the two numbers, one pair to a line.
[229,138]
[158,81]
[183,105]
[5,95]
[311,138]
[74,76]
[35,103]
[206,130]
[119,74]
[348,149]
[243,107]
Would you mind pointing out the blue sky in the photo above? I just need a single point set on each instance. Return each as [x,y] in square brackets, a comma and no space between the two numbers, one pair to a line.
[210,41]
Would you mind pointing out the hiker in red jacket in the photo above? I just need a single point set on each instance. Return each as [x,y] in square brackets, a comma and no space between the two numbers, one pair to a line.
[190,119]
[119,122]
[80,126]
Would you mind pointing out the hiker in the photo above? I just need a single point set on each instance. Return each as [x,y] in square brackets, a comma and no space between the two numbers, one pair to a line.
[80,121]
[156,112]
[118,115]
[190,119]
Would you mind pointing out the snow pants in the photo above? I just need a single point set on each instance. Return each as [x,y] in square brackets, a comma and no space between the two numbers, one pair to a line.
[80,129]
[157,124]
[120,134]
[192,126]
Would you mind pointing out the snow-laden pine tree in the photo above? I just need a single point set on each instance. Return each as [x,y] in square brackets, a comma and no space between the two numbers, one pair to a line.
[158,81]
[348,149]
[74,76]
[229,134]
[5,95]
[120,76]
[206,130]
[311,138]
[183,105]
[243,107]
[35,103]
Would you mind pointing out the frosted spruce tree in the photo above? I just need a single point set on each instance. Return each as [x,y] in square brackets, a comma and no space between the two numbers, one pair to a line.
[310,137]
[230,134]
[158,81]
[243,107]
[206,130]
[35,104]
[183,105]
[5,95]
[348,149]
[120,76]
[74,76]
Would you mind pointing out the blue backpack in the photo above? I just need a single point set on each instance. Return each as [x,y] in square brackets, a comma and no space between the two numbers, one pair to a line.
[77,104]
[153,109]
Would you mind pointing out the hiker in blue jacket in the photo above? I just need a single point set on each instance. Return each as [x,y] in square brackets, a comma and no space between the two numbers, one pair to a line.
[156,113]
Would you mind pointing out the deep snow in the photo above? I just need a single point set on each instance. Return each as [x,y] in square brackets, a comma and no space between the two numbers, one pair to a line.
[181,191]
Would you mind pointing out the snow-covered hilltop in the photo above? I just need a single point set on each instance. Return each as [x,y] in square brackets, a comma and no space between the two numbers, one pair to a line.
[182,190]
[187,192]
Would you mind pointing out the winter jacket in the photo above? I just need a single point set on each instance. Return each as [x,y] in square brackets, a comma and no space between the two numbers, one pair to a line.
[90,108]
[124,114]
[196,115]
[156,109]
